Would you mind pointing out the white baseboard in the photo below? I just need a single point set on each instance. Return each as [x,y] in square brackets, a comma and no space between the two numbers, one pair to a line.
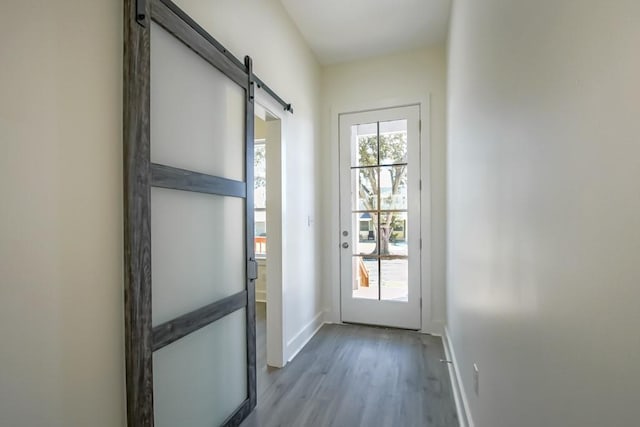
[459,394]
[297,343]
[261,296]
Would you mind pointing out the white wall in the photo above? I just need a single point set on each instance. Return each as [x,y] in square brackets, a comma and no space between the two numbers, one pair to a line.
[61,300]
[61,303]
[391,80]
[544,213]
[259,131]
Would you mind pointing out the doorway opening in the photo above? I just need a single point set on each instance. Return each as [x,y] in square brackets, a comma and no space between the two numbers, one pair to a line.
[268,238]
[260,245]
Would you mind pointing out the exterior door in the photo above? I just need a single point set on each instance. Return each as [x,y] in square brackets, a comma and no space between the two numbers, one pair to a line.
[380,217]
[189,254]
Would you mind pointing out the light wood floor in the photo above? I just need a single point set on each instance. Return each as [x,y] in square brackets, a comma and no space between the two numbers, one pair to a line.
[356,376]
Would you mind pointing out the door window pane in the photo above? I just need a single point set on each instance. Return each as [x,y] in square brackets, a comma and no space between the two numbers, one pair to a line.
[393,142]
[364,241]
[364,144]
[201,379]
[393,234]
[393,187]
[395,274]
[364,188]
[197,113]
[365,280]
[197,250]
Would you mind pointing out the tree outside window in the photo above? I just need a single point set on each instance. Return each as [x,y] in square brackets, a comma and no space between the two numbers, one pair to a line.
[384,185]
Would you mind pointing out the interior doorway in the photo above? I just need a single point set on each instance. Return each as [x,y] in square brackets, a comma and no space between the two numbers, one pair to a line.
[268,239]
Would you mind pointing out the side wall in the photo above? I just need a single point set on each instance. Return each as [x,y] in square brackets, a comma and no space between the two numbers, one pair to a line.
[61,301]
[544,213]
[398,79]
[61,297]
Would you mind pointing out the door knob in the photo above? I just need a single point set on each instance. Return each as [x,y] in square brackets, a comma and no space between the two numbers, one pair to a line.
[345,245]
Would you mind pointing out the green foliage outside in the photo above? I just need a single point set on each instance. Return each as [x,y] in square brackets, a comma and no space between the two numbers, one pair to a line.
[392,149]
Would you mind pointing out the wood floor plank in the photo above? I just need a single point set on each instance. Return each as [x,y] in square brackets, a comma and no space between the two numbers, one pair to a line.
[349,376]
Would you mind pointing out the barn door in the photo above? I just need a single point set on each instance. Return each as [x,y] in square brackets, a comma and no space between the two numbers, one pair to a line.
[189,254]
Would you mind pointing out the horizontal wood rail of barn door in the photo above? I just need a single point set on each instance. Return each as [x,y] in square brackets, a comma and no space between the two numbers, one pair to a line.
[180,179]
[229,62]
[140,175]
[182,326]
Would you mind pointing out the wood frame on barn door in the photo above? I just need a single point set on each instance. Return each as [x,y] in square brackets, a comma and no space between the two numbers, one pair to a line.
[141,338]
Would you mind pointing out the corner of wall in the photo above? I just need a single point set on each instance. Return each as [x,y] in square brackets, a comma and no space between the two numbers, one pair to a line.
[306,333]
[435,328]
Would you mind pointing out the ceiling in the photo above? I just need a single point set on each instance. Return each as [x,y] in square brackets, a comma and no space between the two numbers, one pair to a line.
[346,30]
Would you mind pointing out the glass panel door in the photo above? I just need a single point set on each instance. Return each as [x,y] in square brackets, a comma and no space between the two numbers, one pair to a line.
[198,244]
[190,266]
[380,217]
[198,240]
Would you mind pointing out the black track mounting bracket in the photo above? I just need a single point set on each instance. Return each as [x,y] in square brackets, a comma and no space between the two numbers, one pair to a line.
[141,12]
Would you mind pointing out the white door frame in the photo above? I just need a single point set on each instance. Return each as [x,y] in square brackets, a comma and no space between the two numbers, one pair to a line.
[401,314]
[429,325]
[275,147]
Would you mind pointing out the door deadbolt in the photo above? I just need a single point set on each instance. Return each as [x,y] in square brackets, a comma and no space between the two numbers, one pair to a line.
[345,233]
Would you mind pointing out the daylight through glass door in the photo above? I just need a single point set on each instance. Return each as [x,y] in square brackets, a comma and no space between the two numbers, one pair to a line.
[379,206]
